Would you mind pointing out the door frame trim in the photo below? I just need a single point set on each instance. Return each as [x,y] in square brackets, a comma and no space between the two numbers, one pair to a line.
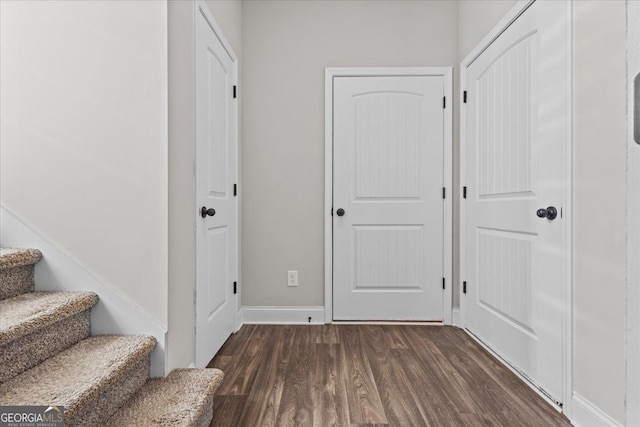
[569,199]
[633,227]
[447,74]
[202,8]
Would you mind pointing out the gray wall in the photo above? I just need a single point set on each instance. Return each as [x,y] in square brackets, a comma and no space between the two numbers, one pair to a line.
[476,19]
[600,186]
[633,225]
[84,136]
[289,235]
[286,46]
[180,334]
[298,240]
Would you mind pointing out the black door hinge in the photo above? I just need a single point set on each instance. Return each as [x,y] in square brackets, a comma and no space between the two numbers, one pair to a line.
[443,283]
[235,91]
[464,192]
[235,287]
[444,102]
[444,193]
[235,189]
[464,96]
[331,211]
[464,287]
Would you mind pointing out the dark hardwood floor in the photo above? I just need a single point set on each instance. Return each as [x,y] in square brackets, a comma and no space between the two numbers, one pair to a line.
[369,375]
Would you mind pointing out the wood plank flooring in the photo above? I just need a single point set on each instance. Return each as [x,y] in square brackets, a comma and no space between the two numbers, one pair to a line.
[369,375]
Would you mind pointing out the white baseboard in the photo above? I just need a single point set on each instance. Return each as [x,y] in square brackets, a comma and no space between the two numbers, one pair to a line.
[270,315]
[586,414]
[58,271]
[455,317]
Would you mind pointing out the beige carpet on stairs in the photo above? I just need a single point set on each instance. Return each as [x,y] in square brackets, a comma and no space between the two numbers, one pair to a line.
[95,376]
[183,398]
[48,358]
[16,271]
[29,312]
[37,325]
[15,257]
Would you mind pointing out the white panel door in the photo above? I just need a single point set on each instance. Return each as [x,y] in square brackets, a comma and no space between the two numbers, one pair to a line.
[215,172]
[388,179]
[516,144]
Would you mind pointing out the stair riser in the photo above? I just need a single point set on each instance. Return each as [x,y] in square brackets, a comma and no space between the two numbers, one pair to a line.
[26,352]
[107,403]
[16,280]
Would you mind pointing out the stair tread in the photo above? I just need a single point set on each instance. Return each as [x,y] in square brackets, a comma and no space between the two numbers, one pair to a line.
[182,398]
[16,257]
[26,313]
[77,376]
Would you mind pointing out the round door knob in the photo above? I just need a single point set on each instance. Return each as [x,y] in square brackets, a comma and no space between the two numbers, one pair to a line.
[340,212]
[550,213]
[207,212]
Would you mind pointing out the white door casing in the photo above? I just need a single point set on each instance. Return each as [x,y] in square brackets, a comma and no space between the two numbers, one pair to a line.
[633,216]
[216,172]
[389,161]
[516,138]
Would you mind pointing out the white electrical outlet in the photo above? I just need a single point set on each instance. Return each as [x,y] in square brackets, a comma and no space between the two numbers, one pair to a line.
[292,278]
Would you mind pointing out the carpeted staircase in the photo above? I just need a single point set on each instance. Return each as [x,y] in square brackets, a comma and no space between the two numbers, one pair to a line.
[47,357]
